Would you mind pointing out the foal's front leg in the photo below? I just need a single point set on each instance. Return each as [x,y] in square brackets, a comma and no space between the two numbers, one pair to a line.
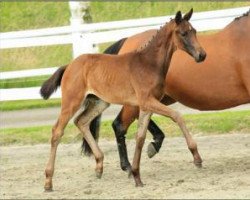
[143,121]
[153,105]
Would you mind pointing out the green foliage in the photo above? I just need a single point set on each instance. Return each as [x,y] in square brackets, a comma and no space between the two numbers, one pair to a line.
[205,124]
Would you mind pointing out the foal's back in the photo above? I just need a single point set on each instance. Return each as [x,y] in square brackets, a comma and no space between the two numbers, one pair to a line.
[106,76]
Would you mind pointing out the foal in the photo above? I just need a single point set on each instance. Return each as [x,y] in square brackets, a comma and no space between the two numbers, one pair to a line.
[135,78]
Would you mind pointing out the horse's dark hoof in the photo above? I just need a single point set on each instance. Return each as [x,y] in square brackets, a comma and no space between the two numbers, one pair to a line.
[98,174]
[151,150]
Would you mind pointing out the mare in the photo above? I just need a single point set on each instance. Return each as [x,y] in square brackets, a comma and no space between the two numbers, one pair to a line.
[222,81]
[136,79]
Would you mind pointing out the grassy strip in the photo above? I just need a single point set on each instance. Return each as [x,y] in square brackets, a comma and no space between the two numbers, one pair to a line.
[204,124]
[28,104]
[23,82]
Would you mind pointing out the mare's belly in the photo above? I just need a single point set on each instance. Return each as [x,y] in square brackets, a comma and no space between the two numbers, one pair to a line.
[208,98]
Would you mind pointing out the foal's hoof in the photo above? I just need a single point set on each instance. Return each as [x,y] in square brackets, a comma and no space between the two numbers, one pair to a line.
[98,175]
[139,184]
[151,150]
[48,189]
[198,164]
[129,173]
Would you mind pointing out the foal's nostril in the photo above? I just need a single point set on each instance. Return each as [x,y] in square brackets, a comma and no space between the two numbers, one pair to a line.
[202,56]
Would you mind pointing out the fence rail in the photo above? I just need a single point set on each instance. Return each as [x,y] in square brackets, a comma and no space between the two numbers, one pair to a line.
[83,37]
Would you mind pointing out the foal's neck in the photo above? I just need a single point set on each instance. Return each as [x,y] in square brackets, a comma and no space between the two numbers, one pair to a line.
[159,51]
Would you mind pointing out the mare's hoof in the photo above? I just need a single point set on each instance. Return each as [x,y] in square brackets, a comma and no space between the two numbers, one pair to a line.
[98,175]
[151,150]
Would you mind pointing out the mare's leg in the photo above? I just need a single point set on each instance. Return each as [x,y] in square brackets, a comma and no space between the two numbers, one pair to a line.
[120,126]
[68,109]
[93,108]
[155,106]
[140,139]
[158,135]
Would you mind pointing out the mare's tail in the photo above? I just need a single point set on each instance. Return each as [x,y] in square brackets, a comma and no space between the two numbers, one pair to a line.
[95,124]
[51,85]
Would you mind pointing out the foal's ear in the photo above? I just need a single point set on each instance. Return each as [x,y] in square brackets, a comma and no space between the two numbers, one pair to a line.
[178,17]
[188,15]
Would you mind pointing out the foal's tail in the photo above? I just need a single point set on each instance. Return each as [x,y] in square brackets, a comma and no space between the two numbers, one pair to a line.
[95,124]
[51,85]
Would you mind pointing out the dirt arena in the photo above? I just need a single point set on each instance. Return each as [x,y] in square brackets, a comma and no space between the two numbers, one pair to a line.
[170,174]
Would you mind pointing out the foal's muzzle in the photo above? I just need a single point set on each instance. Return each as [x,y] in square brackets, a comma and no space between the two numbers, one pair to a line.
[200,56]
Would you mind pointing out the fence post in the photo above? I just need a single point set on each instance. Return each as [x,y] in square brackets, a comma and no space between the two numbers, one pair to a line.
[80,45]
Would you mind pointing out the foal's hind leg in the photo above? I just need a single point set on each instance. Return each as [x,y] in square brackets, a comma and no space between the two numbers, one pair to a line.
[155,106]
[69,107]
[93,108]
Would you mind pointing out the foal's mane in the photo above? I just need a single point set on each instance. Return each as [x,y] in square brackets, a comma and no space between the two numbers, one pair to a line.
[153,37]
[244,15]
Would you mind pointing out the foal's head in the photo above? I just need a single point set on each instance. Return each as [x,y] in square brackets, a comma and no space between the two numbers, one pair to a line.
[185,37]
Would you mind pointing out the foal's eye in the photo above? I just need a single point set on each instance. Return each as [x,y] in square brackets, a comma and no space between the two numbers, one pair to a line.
[183,34]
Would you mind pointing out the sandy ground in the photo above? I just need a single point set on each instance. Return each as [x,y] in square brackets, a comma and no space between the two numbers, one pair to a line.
[170,174]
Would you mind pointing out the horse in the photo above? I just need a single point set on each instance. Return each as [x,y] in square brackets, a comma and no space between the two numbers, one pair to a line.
[136,79]
[222,81]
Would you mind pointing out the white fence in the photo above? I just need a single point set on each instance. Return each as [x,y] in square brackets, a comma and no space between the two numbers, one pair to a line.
[84,36]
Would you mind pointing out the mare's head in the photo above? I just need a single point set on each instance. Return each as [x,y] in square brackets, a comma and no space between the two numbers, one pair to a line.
[185,36]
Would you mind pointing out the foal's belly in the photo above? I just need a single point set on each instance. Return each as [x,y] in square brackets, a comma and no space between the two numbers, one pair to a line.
[115,97]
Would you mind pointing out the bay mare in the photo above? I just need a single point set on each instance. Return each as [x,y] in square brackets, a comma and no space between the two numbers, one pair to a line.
[222,81]
[135,78]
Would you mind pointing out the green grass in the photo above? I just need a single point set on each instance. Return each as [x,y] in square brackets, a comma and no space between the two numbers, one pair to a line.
[35,57]
[31,15]
[106,11]
[23,82]
[202,124]
[28,104]
[17,16]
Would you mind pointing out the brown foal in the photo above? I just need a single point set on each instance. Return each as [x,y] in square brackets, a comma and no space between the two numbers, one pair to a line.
[135,78]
